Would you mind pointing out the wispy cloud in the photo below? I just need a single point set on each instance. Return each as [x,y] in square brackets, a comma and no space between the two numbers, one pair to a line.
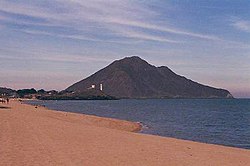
[144,36]
[103,17]
[240,24]
[160,28]
[47,55]
[75,37]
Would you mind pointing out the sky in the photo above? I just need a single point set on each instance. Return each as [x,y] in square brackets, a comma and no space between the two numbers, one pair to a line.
[51,44]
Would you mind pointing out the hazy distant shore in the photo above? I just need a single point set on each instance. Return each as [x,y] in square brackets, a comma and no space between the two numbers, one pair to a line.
[32,135]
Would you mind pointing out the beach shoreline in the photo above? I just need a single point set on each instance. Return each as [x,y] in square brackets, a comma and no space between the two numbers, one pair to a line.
[118,123]
[35,135]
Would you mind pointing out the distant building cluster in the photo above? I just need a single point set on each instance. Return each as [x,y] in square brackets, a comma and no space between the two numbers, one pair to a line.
[93,86]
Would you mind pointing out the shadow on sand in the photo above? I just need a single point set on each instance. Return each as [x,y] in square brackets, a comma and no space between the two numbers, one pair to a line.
[3,107]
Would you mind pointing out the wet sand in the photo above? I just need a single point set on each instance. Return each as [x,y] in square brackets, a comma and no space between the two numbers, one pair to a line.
[32,135]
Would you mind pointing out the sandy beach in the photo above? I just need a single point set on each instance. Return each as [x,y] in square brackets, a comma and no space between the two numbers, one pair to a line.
[32,135]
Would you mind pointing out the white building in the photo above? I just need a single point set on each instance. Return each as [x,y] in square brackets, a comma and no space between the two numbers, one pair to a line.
[92,86]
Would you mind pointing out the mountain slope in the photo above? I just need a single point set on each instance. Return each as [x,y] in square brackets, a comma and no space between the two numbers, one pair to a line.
[133,77]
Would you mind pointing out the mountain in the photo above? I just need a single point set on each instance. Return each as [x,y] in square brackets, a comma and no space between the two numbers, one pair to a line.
[133,77]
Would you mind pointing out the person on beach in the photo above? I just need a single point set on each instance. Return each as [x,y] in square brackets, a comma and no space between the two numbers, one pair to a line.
[7,100]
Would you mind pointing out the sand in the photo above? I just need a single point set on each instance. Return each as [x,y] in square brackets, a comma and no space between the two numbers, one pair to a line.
[38,136]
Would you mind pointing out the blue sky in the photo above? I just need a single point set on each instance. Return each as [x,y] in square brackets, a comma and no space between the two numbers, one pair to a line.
[52,44]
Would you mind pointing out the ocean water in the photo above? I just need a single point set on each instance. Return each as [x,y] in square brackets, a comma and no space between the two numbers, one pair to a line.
[215,121]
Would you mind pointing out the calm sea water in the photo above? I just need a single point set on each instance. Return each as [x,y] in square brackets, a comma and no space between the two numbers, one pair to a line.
[216,121]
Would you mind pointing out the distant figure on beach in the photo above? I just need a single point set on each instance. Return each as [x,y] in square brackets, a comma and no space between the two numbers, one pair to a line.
[7,100]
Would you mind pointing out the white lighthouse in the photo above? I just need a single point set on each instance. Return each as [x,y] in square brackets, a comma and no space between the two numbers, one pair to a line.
[101,87]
